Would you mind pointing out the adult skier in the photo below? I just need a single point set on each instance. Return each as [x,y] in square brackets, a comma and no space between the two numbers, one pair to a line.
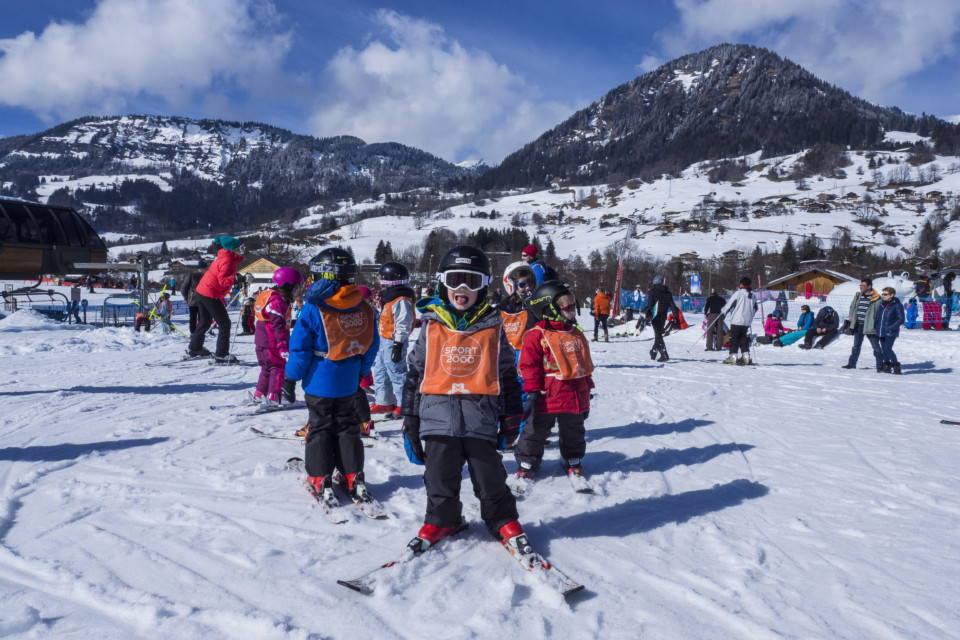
[213,286]
[659,304]
[738,313]
[272,340]
[332,346]
[461,398]
[556,369]
[188,287]
[397,318]
[712,308]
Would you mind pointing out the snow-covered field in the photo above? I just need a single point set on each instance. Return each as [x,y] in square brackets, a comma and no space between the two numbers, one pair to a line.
[791,500]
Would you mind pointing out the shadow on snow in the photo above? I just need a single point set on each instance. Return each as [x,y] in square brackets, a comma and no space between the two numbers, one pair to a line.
[71,451]
[642,429]
[660,460]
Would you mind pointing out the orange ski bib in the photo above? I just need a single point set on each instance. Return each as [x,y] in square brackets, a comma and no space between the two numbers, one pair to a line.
[349,333]
[386,318]
[461,362]
[571,353]
[514,325]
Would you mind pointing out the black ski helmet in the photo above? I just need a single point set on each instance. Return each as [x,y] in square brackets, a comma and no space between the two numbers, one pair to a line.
[542,302]
[392,273]
[465,257]
[335,263]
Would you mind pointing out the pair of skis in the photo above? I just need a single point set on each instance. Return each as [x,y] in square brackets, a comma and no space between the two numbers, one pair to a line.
[332,508]
[259,408]
[368,441]
[529,559]
[522,485]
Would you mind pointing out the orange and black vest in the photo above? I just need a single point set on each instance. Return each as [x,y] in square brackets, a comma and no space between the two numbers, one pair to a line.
[570,352]
[261,303]
[386,318]
[462,362]
[514,326]
[349,333]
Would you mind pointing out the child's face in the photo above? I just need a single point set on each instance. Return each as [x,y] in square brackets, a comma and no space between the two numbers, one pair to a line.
[462,298]
[525,283]
[567,306]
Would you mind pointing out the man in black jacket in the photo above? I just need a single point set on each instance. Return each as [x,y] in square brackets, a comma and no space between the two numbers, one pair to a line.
[825,325]
[189,285]
[712,308]
[660,299]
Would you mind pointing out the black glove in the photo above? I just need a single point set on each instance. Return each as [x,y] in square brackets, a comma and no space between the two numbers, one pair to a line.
[509,431]
[411,439]
[289,390]
[530,406]
[397,354]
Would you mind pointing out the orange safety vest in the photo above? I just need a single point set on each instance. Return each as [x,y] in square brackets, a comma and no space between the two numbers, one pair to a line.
[571,354]
[349,333]
[514,325]
[386,318]
[261,303]
[469,363]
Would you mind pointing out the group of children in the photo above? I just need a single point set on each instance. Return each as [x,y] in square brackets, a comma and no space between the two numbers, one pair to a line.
[460,384]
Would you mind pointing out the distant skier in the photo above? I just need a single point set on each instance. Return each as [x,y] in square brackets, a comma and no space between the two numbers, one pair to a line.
[659,304]
[213,286]
[462,384]
[600,313]
[272,309]
[738,313]
[712,309]
[332,346]
[556,369]
[187,291]
[395,325]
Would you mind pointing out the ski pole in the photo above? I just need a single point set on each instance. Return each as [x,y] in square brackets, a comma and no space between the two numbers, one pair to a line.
[706,331]
[233,339]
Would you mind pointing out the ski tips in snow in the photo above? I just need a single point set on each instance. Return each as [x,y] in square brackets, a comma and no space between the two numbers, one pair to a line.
[954,422]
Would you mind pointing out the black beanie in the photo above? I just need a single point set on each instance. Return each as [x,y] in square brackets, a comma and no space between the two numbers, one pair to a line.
[745,281]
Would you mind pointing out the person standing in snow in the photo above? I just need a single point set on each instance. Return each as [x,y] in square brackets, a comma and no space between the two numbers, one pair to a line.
[738,313]
[600,313]
[333,345]
[659,304]
[461,398]
[890,316]
[272,340]
[519,281]
[863,310]
[556,369]
[213,286]
[395,325]
[187,291]
[164,311]
[712,308]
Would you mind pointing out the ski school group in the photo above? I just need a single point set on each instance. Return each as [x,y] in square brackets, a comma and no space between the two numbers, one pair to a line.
[477,381]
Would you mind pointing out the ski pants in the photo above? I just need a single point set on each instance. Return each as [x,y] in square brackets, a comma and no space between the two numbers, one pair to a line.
[211,309]
[714,332]
[739,339]
[334,436]
[361,405]
[194,314]
[534,437]
[658,343]
[141,322]
[389,376]
[858,336]
[444,457]
[824,339]
[272,372]
[599,320]
[886,348]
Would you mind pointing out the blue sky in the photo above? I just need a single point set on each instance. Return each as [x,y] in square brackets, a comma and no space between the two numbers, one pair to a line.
[463,80]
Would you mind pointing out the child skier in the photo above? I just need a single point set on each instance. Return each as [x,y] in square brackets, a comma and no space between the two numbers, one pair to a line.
[331,348]
[396,323]
[519,281]
[272,341]
[461,384]
[556,369]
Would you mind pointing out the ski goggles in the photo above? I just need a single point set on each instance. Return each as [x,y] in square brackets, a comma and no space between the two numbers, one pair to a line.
[460,278]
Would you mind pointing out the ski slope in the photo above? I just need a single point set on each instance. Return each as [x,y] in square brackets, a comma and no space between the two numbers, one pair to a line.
[790,500]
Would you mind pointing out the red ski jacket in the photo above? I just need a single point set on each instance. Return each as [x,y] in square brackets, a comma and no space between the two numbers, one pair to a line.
[218,280]
[557,396]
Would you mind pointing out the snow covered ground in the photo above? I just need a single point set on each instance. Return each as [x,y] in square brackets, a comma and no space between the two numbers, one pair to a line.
[791,500]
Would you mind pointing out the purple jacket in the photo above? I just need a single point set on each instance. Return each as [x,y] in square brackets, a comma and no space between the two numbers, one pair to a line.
[274,332]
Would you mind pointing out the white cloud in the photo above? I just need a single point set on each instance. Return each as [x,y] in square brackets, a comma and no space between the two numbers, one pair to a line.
[175,50]
[423,89]
[868,47]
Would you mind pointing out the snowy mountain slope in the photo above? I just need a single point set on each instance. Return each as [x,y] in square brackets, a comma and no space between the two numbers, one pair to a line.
[794,499]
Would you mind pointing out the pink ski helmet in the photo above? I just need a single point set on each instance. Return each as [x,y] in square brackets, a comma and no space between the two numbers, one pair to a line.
[365,292]
[287,276]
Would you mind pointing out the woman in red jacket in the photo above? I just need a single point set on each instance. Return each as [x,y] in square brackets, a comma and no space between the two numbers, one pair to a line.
[556,369]
[215,284]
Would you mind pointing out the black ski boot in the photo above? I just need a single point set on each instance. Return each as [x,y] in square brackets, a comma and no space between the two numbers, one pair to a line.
[663,356]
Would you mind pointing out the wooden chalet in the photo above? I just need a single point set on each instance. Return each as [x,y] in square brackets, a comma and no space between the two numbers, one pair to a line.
[787,200]
[260,268]
[723,213]
[821,281]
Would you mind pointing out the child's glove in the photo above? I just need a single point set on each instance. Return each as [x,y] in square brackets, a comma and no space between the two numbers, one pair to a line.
[285,355]
[530,406]
[411,439]
[397,354]
[509,432]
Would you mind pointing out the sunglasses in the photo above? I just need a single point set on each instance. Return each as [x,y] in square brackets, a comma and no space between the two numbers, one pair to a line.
[569,307]
[886,295]
[522,285]
[458,278]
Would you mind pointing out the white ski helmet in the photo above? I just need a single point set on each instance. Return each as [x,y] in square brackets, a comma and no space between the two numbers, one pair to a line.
[509,284]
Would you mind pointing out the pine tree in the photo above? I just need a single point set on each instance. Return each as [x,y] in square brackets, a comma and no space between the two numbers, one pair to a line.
[379,254]
[387,251]
[789,255]
[550,253]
